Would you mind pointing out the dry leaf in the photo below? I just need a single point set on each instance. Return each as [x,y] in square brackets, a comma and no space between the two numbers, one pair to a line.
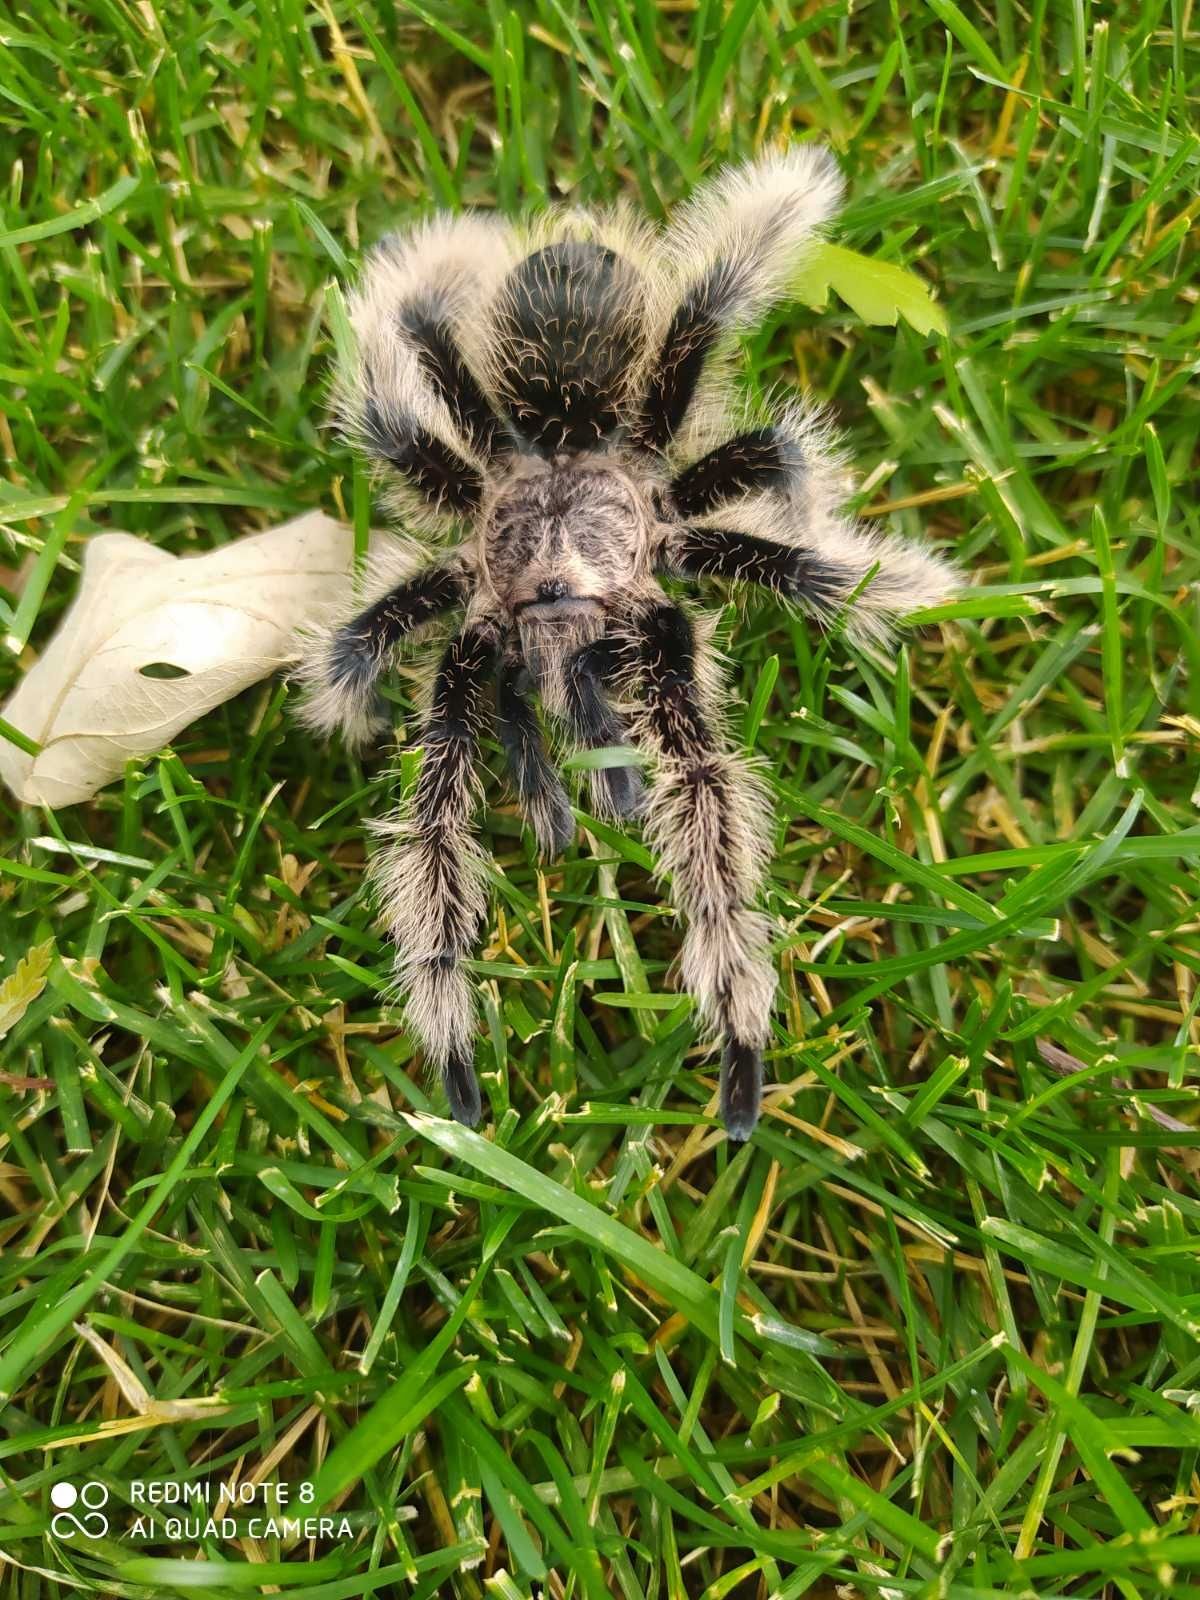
[149,1412]
[153,641]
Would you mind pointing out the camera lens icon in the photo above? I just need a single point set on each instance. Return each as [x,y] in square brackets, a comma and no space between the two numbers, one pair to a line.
[92,1524]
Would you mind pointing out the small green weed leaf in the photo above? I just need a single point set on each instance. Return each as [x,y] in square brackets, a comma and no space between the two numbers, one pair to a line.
[22,986]
[877,291]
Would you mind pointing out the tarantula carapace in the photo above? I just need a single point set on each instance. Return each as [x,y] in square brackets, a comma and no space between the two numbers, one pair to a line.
[547,404]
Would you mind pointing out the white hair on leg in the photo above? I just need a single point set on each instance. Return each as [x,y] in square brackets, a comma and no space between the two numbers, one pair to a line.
[455,262]
[427,878]
[407,396]
[708,824]
[460,257]
[707,820]
[330,705]
[884,575]
[338,685]
[846,570]
[758,218]
[428,884]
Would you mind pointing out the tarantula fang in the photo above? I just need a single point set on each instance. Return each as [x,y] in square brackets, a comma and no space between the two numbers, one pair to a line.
[546,405]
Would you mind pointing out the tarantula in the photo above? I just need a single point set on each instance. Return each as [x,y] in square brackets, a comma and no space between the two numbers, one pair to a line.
[548,407]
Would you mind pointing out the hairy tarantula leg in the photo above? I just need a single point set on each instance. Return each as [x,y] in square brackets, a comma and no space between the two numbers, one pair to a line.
[616,791]
[734,248]
[544,801]
[789,571]
[341,673]
[426,323]
[869,579]
[693,334]
[763,458]
[428,876]
[708,824]
[395,438]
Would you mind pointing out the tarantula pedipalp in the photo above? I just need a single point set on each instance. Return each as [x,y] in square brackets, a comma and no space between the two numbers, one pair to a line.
[547,405]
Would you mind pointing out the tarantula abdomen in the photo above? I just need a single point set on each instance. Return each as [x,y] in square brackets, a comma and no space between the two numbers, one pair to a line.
[545,409]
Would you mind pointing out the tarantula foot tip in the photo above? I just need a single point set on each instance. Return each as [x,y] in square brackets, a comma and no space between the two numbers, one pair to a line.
[557,832]
[620,791]
[741,1090]
[462,1090]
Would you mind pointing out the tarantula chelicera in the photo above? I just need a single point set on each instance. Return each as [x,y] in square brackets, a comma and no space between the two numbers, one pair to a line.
[547,405]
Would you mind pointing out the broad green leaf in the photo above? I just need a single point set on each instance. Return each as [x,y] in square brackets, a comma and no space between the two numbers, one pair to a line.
[877,291]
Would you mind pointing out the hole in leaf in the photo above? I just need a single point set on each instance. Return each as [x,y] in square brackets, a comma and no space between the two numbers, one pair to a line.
[163,669]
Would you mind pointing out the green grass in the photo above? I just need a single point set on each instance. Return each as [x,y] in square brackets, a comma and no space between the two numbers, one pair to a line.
[936,1331]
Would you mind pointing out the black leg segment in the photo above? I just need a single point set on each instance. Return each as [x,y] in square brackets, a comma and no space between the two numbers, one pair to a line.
[616,791]
[359,651]
[697,327]
[787,570]
[540,790]
[426,326]
[741,1089]
[341,672]
[445,480]
[763,458]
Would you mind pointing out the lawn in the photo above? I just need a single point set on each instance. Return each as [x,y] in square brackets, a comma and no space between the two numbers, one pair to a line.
[936,1329]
